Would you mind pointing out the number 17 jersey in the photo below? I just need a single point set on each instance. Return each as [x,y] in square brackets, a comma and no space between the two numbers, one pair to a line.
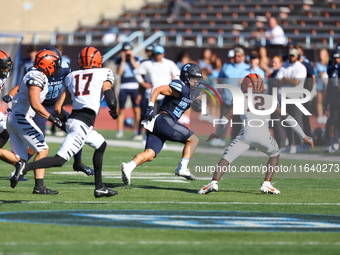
[85,87]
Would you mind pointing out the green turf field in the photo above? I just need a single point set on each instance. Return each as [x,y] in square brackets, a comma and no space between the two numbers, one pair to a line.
[162,214]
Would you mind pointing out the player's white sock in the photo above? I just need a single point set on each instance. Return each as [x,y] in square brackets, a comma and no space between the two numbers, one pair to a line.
[266,183]
[131,165]
[214,182]
[183,164]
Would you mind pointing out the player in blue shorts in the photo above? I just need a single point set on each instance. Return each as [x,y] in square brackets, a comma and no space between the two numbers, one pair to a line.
[165,126]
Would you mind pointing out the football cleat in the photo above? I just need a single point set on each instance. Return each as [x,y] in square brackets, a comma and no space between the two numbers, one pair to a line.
[269,188]
[19,173]
[44,191]
[211,187]
[185,173]
[126,174]
[104,192]
[22,179]
[80,167]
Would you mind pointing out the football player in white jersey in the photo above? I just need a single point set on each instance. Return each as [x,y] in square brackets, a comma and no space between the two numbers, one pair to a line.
[86,88]
[253,135]
[6,70]
[23,131]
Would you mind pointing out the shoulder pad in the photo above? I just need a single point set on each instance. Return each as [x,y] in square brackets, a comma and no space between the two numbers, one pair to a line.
[177,85]
[110,76]
[33,82]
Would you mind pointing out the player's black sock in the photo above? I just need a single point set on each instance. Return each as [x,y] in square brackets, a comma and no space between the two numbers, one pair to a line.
[47,162]
[39,183]
[98,164]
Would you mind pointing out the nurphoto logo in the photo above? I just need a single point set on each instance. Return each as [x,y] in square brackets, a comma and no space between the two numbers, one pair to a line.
[239,105]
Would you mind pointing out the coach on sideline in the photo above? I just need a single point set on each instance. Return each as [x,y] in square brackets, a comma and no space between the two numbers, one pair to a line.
[159,70]
[293,74]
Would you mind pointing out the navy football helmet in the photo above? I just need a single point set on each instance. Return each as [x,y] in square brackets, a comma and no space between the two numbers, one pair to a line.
[6,65]
[191,74]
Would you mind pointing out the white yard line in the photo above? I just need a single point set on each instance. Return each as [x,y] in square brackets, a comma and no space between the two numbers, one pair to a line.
[210,150]
[169,202]
[166,243]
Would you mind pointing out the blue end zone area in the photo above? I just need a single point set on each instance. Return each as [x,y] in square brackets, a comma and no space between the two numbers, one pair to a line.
[185,220]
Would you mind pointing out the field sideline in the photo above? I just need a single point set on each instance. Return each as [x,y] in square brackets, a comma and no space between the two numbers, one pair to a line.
[162,214]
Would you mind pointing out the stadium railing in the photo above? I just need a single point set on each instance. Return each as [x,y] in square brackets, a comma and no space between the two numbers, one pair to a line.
[223,39]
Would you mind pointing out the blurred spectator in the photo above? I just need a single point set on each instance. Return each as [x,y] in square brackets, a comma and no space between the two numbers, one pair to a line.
[126,64]
[320,70]
[254,66]
[230,74]
[216,64]
[205,62]
[303,58]
[184,58]
[331,104]
[309,85]
[276,64]
[217,67]
[293,74]
[176,6]
[231,55]
[275,34]
[65,57]
[264,60]
[290,45]
[142,97]
[279,131]
[27,62]
[156,72]
[149,50]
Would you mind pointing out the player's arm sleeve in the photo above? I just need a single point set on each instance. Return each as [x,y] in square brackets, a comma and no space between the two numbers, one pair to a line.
[110,96]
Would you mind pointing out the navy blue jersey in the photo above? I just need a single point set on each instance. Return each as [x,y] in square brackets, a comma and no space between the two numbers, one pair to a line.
[56,84]
[176,106]
[128,75]
[332,91]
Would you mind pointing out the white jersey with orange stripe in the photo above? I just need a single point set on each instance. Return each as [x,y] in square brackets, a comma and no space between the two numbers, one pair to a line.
[85,87]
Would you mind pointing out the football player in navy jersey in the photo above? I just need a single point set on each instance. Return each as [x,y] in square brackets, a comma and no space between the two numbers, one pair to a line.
[55,88]
[165,126]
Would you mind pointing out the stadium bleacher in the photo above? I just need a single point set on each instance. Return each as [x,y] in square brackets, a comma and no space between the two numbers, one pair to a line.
[302,21]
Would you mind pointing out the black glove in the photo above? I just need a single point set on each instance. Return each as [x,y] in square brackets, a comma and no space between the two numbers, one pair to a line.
[7,99]
[113,114]
[149,113]
[56,121]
